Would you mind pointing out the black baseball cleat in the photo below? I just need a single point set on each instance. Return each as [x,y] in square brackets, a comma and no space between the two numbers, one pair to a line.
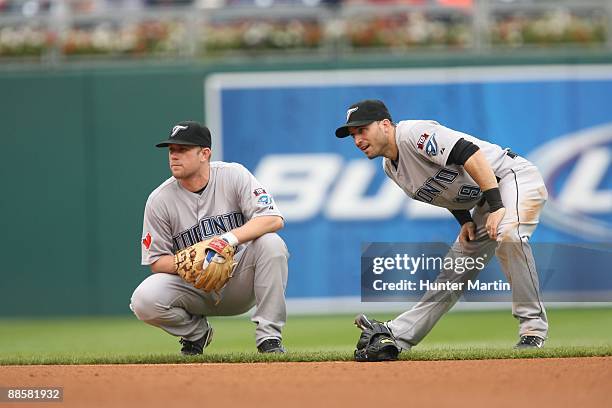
[376,342]
[530,342]
[193,348]
[272,345]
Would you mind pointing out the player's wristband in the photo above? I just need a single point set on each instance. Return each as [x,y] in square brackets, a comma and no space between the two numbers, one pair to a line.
[462,216]
[493,197]
[230,238]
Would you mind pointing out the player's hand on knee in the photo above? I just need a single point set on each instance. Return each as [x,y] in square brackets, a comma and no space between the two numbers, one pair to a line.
[493,222]
[467,233]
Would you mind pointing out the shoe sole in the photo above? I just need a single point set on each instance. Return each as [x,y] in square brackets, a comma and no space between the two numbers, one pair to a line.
[520,346]
[528,347]
[209,333]
[274,351]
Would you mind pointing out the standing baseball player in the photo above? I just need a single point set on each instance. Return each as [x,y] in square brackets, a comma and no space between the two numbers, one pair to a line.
[495,195]
[209,239]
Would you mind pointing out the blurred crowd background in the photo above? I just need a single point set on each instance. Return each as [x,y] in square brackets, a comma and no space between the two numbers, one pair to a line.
[58,30]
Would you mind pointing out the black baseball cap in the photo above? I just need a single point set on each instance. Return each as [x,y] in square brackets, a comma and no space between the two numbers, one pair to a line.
[188,133]
[363,113]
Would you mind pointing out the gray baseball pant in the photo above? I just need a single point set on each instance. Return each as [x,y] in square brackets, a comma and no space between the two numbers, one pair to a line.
[166,301]
[524,194]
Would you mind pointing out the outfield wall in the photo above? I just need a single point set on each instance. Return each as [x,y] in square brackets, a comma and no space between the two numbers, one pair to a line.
[79,163]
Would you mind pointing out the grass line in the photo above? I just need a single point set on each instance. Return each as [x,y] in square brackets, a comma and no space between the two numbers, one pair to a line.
[253,357]
[458,336]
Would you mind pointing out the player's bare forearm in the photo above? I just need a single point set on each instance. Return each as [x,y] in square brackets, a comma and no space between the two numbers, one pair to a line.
[257,226]
[480,170]
[165,264]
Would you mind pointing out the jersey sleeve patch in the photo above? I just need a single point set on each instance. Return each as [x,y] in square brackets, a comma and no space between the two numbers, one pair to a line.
[264,200]
[146,241]
[431,148]
[422,140]
[259,191]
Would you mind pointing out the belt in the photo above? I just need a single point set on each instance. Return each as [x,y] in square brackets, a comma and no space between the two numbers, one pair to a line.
[511,155]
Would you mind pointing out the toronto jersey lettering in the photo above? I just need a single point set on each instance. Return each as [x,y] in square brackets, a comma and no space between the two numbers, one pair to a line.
[422,172]
[176,218]
[206,228]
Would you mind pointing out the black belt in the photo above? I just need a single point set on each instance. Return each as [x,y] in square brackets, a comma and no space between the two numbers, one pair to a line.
[511,154]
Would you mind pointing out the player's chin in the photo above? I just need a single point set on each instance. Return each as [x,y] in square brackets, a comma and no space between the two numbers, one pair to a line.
[177,171]
[370,154]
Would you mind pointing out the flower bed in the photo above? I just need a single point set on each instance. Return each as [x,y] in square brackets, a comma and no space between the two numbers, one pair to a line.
[551,28]
[171,36]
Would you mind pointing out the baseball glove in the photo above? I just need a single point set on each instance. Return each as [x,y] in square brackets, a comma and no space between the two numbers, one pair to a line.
[207,265]
[376,342]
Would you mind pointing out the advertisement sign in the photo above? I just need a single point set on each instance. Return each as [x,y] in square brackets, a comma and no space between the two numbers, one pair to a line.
[281,126]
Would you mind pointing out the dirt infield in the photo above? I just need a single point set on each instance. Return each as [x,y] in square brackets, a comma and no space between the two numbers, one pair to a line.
[482,383]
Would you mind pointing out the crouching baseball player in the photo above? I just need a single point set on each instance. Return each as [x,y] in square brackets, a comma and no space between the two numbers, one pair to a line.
[495,195]
[209,239]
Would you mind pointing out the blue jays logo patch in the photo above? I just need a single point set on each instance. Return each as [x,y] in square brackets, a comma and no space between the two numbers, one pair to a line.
[431,148]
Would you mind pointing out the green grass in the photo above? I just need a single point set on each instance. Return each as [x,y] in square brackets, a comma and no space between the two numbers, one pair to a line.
[302,356]
[461,335]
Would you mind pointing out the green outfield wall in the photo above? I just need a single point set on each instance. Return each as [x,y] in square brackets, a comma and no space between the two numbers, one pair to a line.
[78,161]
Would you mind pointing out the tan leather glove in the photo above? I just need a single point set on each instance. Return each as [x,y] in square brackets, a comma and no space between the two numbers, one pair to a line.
[207,265]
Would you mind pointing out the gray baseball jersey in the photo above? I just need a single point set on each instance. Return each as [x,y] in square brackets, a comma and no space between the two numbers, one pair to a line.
[424,147]
[176,218]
